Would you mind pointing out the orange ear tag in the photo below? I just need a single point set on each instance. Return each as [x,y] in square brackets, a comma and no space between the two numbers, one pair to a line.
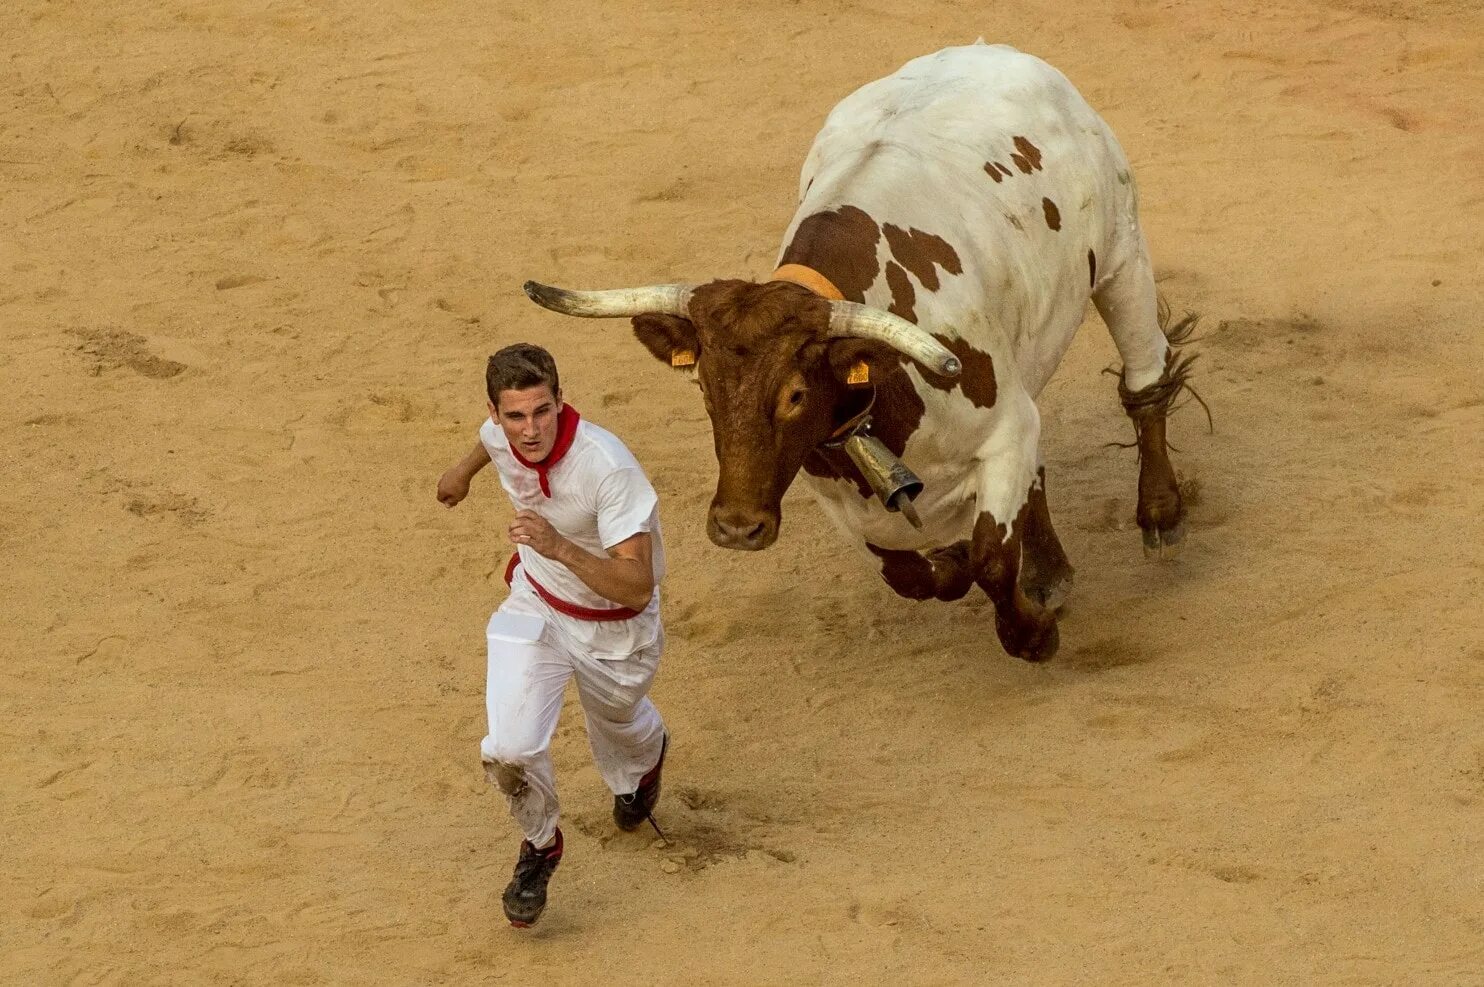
[860,373]
[682,358]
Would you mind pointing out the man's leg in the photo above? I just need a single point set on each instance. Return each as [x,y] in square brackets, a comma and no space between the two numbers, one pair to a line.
[523,699]
[623,725]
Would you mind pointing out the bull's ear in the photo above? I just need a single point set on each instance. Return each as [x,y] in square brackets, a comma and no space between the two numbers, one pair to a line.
[671,338]
[858,362]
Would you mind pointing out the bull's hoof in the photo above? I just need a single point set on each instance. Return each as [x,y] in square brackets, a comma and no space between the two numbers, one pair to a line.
[1036,642]
[1050,593]
[1164,543]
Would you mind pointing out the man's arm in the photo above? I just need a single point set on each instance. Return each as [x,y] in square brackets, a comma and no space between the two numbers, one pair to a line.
[453,485]
[625,576]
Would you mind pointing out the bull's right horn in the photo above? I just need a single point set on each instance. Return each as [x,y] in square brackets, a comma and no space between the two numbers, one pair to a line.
[613,303]
[865,322]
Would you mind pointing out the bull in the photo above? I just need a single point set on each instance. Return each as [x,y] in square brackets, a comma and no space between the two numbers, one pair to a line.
[954,219]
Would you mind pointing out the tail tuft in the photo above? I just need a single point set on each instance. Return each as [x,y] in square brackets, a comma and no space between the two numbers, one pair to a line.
[1159,398]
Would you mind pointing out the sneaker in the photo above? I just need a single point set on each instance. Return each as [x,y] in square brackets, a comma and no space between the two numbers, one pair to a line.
[630,811]
[525,895]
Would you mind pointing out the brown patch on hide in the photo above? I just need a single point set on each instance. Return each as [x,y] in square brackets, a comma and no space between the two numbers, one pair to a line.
[841,245]
[976,381]
[922,254]
[993,170]
[1030,152]
[1053,214]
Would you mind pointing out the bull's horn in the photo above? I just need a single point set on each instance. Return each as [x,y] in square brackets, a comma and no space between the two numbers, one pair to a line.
[865,322]
[614,303]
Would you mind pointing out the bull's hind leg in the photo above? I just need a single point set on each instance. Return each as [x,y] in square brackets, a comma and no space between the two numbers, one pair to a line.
[1045,572]
[1152,377]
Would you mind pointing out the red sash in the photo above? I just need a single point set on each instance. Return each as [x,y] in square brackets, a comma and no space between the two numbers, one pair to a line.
[562,606]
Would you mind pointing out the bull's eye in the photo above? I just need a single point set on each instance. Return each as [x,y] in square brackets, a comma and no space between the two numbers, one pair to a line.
[796,398]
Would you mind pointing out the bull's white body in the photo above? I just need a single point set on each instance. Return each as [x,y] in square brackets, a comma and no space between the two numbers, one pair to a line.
[910,150]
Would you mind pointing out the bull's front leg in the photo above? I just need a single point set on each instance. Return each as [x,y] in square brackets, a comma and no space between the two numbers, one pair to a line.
[943,573]
[1008,484]
[1045,571]
[1026,628]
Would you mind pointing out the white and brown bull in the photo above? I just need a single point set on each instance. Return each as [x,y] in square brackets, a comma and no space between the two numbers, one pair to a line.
[954,220]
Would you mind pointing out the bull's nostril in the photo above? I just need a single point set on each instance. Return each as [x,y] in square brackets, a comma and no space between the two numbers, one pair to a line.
[745,530]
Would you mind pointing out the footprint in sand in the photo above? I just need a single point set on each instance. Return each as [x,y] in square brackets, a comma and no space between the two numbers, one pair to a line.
[154,503]
[238,281]
[113,348]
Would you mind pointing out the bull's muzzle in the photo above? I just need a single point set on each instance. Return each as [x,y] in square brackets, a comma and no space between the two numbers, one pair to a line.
[747,529]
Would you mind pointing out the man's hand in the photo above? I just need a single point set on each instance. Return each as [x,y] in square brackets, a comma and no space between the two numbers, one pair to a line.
[625,575]
[535,532]
[453,486]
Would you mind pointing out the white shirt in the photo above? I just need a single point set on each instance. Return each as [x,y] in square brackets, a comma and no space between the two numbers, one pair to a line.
[599,498]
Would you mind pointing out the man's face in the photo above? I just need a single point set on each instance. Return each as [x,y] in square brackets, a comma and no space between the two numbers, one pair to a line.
[529,418]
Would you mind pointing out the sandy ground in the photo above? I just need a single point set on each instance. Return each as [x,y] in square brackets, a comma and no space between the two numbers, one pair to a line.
[253,257]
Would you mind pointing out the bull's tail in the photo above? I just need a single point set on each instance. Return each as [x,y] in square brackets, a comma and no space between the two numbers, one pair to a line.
[1158,399]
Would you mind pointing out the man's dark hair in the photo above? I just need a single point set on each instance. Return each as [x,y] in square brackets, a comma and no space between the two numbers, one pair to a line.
[518,367]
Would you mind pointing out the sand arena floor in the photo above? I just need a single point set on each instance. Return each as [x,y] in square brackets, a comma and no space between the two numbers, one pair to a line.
[252,258]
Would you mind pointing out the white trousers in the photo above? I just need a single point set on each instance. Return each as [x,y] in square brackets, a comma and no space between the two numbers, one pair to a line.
[531,657]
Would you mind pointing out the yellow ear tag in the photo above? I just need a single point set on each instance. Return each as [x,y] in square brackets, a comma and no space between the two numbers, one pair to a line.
[682,358]
[860,373]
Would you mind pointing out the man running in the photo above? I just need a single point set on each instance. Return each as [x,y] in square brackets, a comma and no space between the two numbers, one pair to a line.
[583,601]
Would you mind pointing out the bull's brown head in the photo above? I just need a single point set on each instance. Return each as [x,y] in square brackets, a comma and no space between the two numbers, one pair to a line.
[773,361]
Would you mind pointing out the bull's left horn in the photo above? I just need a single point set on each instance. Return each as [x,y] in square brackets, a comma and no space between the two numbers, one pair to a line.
[865,322]
[613,303]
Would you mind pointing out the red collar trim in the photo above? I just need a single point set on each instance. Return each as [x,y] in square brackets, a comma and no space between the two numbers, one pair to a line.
[567,420]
